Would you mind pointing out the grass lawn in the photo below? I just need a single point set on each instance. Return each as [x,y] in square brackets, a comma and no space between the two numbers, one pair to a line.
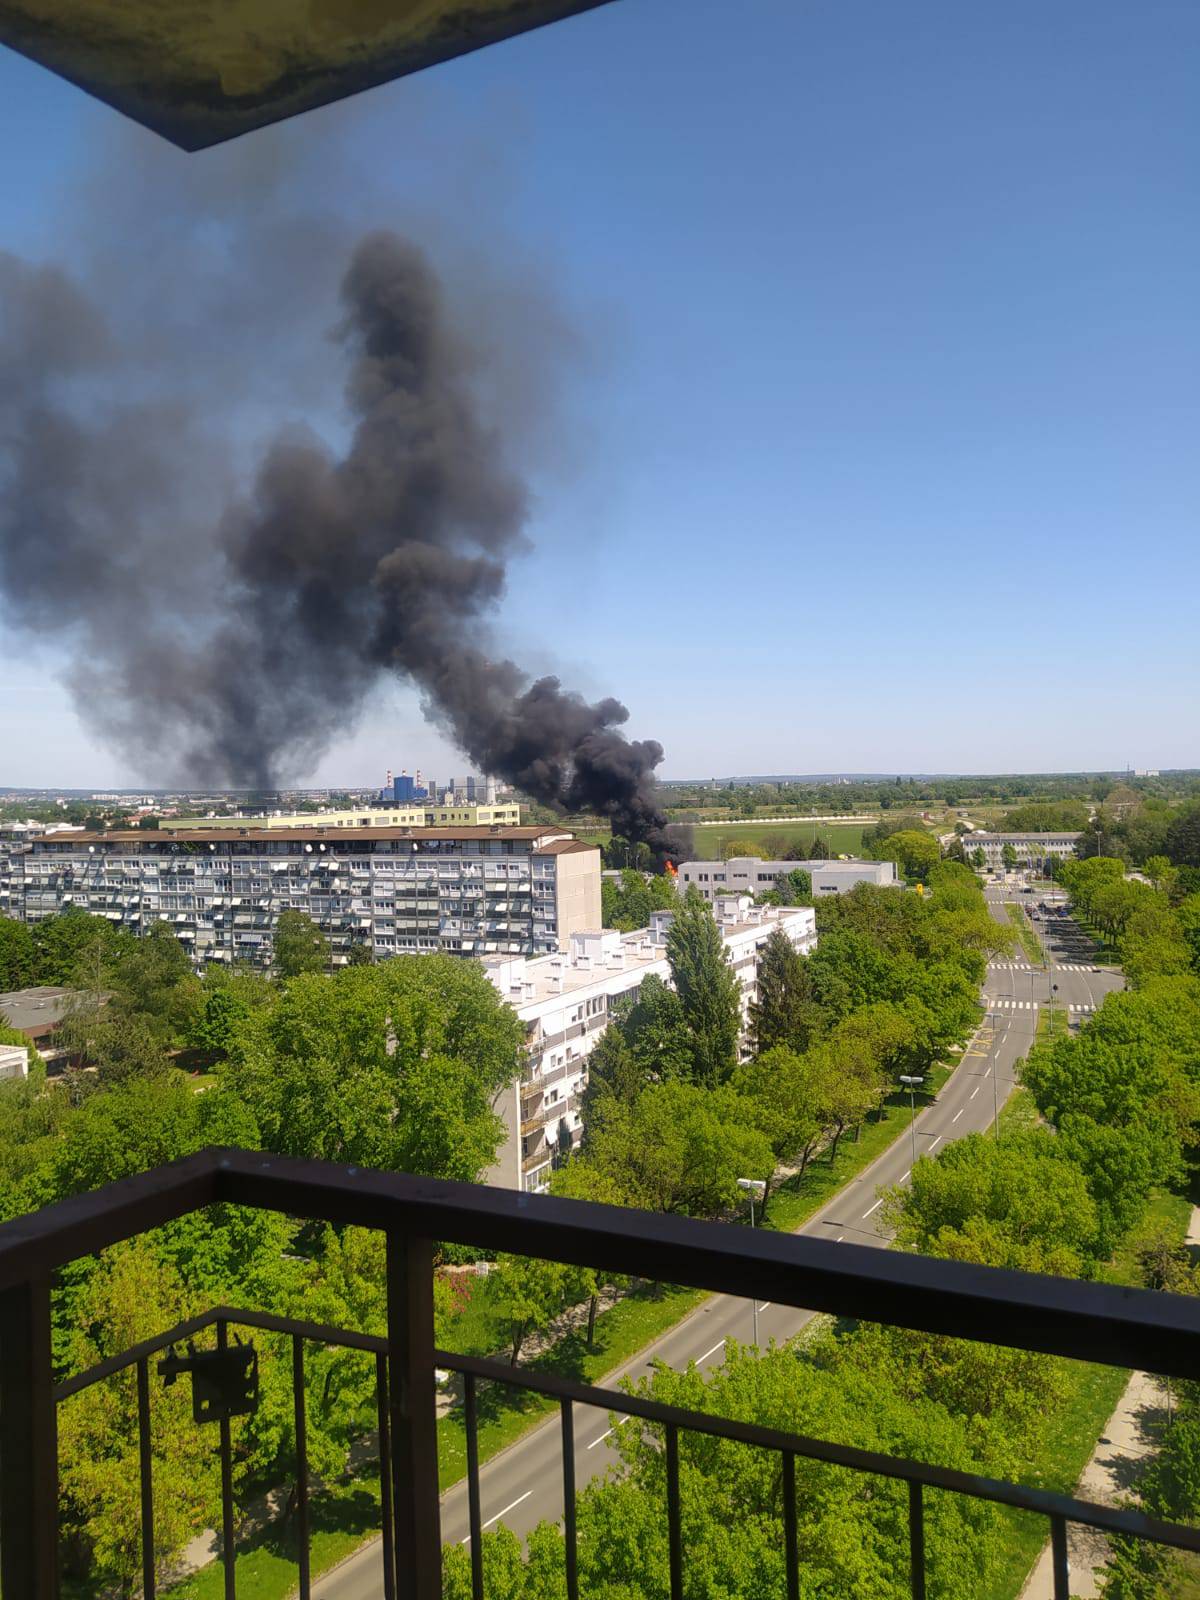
[842,838]
[1030,942]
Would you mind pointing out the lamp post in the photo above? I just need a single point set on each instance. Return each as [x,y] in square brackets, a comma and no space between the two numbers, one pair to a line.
[912,1085]
[755,1188]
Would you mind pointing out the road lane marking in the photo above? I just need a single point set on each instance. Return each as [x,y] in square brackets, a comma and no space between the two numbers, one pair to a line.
[711,1352]
[839,1238]
[766,1305]
[500,1514]
[615,1426]
[875,1207]
[974,1091]
[957,1114]
[938,1140]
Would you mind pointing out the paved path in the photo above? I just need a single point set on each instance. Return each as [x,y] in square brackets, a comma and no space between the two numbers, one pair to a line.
[523,1485]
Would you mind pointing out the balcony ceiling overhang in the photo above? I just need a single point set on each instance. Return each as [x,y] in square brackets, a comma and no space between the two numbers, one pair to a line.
[201,71]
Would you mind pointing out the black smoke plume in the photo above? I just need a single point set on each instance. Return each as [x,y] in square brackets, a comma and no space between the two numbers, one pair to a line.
[240,633]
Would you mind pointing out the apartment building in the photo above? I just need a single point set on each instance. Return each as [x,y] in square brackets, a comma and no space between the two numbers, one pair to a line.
[370,814]
[397,891]
[749,875]
[565,1001]
[1032,849]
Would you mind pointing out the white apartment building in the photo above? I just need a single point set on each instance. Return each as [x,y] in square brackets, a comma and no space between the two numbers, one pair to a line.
[397,891]
[564,1001]
[1031,848]
[749,875]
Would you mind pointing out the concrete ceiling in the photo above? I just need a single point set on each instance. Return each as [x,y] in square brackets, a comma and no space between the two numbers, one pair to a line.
[200,71]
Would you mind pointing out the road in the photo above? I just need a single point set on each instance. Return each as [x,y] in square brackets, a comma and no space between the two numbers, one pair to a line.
[523,1485]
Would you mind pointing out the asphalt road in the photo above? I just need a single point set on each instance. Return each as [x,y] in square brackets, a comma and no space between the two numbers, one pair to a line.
[523,1485]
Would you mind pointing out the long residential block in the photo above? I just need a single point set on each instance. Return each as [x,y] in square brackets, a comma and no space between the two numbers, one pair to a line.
[473,891]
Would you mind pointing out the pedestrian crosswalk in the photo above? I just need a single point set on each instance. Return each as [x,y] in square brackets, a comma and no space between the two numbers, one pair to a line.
[1008,1004]
[1024,966]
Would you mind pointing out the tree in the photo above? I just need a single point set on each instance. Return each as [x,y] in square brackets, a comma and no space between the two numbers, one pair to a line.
[707,987]
[915,852]
[580,1180]
[18,955]
[299,945]
[794,1098]
[392,1066]
[1009,857]
[794,888]
[1182,843]
[680,1148]
[818,850]
[528,1294]
[628,905]
[782,1012]
[978,859]
[612,1070]
[656,1032]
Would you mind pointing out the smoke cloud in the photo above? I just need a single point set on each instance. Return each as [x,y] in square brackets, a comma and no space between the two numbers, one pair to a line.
[232,617]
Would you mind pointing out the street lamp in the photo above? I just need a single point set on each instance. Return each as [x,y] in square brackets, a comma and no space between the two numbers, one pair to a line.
[912,1084]
[755,1188]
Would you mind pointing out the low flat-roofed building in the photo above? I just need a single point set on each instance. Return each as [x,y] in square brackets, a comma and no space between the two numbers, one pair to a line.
[1032,849]
[748,875]
[565,1002]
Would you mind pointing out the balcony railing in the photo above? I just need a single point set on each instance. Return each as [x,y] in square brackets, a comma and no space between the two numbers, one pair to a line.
[1122,1327]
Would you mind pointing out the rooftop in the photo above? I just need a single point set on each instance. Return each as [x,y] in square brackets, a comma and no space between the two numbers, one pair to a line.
[597,956]
[35,1012]
[153,836]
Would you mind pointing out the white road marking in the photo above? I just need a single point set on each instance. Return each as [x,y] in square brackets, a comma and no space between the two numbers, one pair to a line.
[615,1426]
[937,1141]
[766,1305]
[839,1238]
[505,1512]
[958,1114]
[711,1352]
[875,1207]
[974,1091]
[906,1176]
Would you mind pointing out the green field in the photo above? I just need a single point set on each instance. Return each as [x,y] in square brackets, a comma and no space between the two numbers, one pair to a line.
[842,838]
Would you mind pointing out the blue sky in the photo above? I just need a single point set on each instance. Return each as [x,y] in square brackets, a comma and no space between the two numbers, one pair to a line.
[880,446]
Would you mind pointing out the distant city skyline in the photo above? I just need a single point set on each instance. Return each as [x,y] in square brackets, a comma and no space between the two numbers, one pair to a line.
[878,447]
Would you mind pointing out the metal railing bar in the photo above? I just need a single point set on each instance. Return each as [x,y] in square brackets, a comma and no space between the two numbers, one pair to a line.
[317,1332]
[138,1352]
[474,1511]
[1058,1558]
[383,1416]
[916,1538]
[791,1549]
[146,1475]
[674,1520]
[1043,1501]
[1131,1328]
[228,1552]
[301,1422]
[570,1538]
